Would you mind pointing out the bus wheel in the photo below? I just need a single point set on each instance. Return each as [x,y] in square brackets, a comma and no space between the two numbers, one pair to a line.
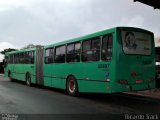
[72,86]
[28,79]
[10,76]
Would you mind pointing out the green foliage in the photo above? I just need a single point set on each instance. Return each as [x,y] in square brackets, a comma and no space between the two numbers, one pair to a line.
[7,50]
[29,46]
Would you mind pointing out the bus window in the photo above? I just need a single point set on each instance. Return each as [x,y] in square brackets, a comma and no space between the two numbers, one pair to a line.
[91,50]
[77,52]
[70,49]
[96,49]
[10,59]
[49,53]
[73,52]
[107,47]
[31,54]
[21,58]
[16,56]
[86,45]
[60,54]
[77,47]
[136,43]
[29,57]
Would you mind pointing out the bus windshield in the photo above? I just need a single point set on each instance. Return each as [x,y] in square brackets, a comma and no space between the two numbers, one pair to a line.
[136,42]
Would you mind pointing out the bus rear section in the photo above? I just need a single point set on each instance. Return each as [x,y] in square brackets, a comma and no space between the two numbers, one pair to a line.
[135,67]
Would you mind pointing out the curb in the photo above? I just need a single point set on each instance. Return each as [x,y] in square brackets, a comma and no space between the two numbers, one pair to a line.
[152,96]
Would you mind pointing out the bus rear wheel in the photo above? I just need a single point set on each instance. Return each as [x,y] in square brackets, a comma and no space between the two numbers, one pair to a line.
[72,86]
[28,79]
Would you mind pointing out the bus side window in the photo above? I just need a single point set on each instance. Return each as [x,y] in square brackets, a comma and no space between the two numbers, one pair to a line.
[96,43]
[29,57]
[77,48]
[60,54]
[49,53]
[26,57]
[21,58]
[91,50]
[73,52]
[86,47]
[32,57]
[9,59]
[14,61]
[16,56]
[107,44]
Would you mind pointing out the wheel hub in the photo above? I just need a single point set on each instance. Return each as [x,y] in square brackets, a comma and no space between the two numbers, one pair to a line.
[72,86]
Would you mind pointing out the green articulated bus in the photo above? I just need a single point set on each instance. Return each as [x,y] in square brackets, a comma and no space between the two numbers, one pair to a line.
[25,65]
[114,60]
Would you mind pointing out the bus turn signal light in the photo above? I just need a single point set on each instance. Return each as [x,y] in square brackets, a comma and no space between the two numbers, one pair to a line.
[138,81]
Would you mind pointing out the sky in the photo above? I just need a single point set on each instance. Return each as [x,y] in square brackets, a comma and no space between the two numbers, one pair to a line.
[43,22]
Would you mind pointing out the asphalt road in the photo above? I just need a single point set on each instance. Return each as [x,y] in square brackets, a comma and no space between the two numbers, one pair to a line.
[17,98]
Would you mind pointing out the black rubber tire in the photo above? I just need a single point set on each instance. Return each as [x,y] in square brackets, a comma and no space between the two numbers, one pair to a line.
[10,76]
[72,86]
[28,79]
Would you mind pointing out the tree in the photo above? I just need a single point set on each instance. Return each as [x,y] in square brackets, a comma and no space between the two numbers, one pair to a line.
[157,41]
[29,46]
[7,50]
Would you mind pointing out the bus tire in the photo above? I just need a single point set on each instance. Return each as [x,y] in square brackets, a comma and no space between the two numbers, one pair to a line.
[72,86]
[10,76]
[28,79]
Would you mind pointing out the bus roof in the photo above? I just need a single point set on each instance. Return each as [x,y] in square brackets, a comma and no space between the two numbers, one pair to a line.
[20,51]
[82,37]
[96,34]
